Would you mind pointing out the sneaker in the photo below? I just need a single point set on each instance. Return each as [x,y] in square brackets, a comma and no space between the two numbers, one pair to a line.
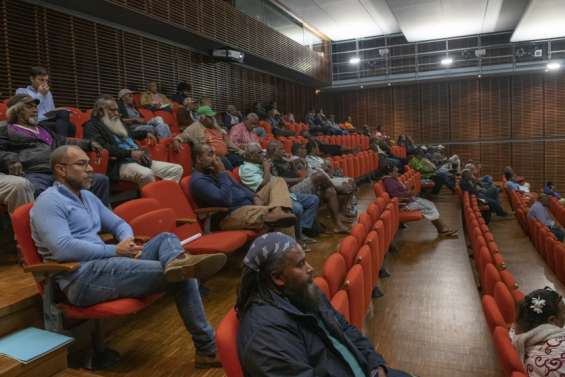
[202,361]
[279,218]
[188,266]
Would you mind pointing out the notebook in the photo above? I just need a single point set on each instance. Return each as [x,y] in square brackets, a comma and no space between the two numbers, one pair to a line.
[30,344]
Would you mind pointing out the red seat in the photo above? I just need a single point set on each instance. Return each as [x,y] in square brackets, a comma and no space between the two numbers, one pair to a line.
[348,248]
[359,232]
[340,302]
[489,278]
[410,216]
[505,302]
[364,259]
[226,342]
[334,271]
[354,284]
[492,313]
[322,284]
[509,358]
[170,195]
[43,274]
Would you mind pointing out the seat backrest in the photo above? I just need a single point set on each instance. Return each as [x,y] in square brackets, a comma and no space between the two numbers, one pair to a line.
[364,259]
[354,284]
[348,248]
[226,342]
[340,302]
[153,223]
[505,302]
[334,272]
[509,358]
[185,186]
[492,313]
[359,232]
[322,284]
[365,219]
[379,188]
[22,230]
[136,207]
[489,278]
[170,195]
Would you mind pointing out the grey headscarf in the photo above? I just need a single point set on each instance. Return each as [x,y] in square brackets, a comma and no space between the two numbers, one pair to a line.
[268,248]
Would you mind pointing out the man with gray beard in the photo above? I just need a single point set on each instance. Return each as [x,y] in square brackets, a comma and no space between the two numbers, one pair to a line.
[288,327]
[130,163]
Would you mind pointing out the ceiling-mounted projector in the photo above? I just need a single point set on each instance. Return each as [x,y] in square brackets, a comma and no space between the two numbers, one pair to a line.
[228,55]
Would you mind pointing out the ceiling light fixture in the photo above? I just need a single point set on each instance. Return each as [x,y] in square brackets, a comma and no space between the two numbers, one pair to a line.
[553,66]
[446,61]
[354,60]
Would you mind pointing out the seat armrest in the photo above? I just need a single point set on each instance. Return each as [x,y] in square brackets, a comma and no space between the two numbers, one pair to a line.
[51,267]
[183,221]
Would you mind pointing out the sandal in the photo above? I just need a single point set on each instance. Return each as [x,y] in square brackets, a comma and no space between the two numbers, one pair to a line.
[449,233]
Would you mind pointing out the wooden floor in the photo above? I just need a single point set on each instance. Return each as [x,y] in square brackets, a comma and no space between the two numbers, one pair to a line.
[429,322]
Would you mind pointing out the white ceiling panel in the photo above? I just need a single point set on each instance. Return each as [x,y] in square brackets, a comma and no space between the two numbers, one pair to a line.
[543,19]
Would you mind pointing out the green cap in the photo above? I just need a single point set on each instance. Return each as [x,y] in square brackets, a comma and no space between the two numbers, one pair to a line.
[206,110]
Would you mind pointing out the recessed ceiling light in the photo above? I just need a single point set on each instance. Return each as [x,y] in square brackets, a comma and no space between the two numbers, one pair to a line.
[553,66]
[389,84]
[361,86]
[446,61]
[479,76]
[354,60]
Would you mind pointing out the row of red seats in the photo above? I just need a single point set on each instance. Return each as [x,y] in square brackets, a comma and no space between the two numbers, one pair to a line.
[347,141]
[545,242]
[399,152]
[557,210]
[499,288]
[356,165]
[348,275]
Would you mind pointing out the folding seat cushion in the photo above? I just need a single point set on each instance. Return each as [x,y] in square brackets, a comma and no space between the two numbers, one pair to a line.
[505,302]
[334,271]
[226,342]
[509,358]
[360,233]
[492,313]
[340,302]
[322,284]
[354,284]
[490,277]
[348,248]
[364,258]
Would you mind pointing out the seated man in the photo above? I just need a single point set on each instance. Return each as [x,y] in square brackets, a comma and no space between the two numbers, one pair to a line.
[206,131]
[473,186]
[539,211]
[54,119]
[334,126]
[318,183]
[429,171]
[66,220]
[232,117]
[255,173]
[279,128]
[245,132]
[25,147]
[152,100]
[212,186]
[14,191]
[186,114]
[129,162]
[133,119]
[183,92]
[515,183]
[288,327]
[549,189]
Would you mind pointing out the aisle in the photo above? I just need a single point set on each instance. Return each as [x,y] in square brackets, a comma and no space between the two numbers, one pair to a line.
[430,321]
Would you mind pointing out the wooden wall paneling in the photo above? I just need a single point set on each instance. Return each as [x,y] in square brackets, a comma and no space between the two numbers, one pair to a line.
[150,62]
[111,77]
[464,111]
[59,33]
[133,61]
[192,15]
[494,158]
[466,152]
[381,110]
[496,108]
[528,161]
[178,12]
[166,61]
[554,109]
[86,55]
[527,106]
[4,54]
[434,112]
[406,111]
[554,157]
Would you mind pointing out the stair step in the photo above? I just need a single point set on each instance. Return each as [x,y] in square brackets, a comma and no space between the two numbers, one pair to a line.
[46,366]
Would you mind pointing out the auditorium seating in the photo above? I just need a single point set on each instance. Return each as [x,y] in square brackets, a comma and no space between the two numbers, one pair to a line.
[226,342]
[498,287]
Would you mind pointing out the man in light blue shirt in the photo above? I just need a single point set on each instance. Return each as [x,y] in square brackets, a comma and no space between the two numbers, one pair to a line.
[65,222]
[47,115]
[539,211]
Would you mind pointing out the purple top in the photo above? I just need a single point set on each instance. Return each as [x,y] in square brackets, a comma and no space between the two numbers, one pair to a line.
[396,189]
[42,135]
[539,212]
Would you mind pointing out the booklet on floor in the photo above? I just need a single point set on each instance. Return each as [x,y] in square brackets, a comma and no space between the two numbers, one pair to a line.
[30,344]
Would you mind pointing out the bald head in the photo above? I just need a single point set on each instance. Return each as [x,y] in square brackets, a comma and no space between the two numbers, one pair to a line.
[61,154]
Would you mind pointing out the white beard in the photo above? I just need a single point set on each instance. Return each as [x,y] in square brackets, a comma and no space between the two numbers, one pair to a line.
[115,125]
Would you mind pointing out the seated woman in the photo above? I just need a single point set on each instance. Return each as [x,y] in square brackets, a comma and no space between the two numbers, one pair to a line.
[410,202]
[538,333]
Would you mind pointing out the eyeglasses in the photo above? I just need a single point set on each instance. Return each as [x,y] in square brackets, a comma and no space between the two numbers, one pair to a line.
[81,164]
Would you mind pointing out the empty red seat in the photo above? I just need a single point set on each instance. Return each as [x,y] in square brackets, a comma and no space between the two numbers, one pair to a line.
[505,302]
[354,284]
[509,358]
[226,342]
[322,284]
[340,302]
[334,271]
[348,248]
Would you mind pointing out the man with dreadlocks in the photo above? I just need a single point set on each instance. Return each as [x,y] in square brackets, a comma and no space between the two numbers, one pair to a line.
[288,328]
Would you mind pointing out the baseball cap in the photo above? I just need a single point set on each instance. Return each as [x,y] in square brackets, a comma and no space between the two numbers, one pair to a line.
[123,92]
[21,98]
[206,110]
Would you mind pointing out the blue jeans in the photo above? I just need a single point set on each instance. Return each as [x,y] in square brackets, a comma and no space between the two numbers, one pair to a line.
[558,232]
[443,179]
[305,208]
[100,185]
[121,277]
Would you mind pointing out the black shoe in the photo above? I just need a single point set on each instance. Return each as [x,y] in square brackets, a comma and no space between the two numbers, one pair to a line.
[377,293]
[383,273]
